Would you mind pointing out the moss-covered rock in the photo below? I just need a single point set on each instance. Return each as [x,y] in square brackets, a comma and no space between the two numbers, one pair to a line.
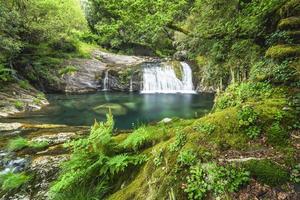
[283,51]
[289,23]
[290,8]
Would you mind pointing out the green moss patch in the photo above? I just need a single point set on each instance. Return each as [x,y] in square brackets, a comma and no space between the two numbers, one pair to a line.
[267,172]
[289,23]
[283,51]
[290,8]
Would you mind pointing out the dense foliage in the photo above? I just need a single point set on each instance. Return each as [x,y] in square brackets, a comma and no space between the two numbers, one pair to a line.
[141,22]
[28,25]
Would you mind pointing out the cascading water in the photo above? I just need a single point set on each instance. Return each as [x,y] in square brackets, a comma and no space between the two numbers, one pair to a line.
[130,85]
[106,81]
[161,78]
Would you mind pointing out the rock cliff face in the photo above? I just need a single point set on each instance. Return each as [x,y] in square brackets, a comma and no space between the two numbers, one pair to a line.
[90,74]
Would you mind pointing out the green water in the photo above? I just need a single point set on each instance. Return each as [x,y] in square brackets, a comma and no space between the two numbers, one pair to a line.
[129,109]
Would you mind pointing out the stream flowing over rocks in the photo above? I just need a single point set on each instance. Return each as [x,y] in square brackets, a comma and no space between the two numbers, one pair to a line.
[42,164]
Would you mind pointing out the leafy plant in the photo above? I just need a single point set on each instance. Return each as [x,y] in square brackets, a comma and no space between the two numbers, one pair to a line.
[158,157]
[19,104]
[213,178]
[276,133]
[206,128]
[295,174]
[186,158]
[68,70]
[24,84]
[180,140]
[5,73]
[248,120]
[236,94]
[94,160]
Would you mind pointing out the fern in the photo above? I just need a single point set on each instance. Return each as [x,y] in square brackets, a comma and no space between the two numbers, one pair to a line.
[93,160]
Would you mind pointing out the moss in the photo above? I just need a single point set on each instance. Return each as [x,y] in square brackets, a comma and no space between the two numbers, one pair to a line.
[283,51]
[289,23]
[290,8]
[267,172]
[177,68]
[21,143]
[295,35]
[277,135]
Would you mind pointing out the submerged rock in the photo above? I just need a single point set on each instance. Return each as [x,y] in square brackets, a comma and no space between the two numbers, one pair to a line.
[116,109]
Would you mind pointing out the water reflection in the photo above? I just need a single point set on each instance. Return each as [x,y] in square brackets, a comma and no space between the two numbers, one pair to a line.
[128,108]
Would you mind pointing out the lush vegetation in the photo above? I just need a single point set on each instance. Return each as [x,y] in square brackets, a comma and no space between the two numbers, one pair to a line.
[247,51]
[37,33]
[21,143]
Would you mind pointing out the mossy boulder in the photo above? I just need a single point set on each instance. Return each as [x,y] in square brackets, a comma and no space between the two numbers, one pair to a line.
[283,51]
[294,35]
[289,23]
[290,8]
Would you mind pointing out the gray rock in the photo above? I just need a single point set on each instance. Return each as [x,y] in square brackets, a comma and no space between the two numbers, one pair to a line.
[10,126]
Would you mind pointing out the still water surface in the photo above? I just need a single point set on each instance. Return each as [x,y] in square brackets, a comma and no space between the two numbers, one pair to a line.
[129,109]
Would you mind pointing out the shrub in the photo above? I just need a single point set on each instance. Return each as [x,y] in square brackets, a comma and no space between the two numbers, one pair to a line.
[5,73]
[275,72]
[68,70]
[12,181]
[215,179]
[24,84]
[237,94]
[64,45]
[267,172]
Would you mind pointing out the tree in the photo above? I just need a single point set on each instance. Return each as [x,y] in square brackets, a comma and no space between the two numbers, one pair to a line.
[134,21]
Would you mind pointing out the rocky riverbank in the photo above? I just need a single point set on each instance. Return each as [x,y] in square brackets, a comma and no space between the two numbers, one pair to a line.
[20,97]
[40,164]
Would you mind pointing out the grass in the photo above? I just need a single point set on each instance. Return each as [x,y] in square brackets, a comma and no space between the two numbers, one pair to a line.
[22,143]
[19,104]
[12,181]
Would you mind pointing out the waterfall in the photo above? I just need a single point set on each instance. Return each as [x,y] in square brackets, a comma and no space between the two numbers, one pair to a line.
[161,78]
[106,81]
[130,85]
